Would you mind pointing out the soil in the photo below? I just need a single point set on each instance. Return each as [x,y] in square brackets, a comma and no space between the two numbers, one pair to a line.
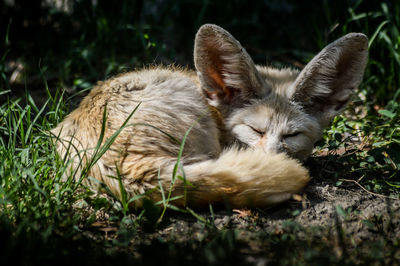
[337,221]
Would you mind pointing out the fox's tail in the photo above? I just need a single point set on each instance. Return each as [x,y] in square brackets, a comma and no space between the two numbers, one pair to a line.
[241,178]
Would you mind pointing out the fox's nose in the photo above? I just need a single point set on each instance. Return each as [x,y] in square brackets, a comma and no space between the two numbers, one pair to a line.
[262,142]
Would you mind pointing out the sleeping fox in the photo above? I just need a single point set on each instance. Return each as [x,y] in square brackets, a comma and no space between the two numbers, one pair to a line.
[245,127]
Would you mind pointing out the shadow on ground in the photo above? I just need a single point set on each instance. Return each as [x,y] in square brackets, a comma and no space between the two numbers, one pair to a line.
[328,224]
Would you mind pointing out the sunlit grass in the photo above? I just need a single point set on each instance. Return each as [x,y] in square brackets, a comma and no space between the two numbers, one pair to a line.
[376,159]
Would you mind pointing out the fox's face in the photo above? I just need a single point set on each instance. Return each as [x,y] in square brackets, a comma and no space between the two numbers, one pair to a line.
[278,110]
[275,126]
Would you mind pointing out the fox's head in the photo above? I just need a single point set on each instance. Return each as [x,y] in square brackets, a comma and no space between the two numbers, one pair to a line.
[277,110]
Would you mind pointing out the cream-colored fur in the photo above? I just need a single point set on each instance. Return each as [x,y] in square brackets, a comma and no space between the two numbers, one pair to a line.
[244,121]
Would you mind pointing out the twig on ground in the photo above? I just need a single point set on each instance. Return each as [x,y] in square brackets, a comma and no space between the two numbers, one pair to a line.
[366,190]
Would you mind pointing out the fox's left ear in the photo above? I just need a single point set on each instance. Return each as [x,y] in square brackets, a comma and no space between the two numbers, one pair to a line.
[327,82]
[226,71]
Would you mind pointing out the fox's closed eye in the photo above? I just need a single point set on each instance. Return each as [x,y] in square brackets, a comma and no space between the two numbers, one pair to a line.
[294,134]
[258,131]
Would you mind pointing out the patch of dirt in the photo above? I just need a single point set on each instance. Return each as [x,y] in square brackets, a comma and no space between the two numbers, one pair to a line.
[322,205]
[328,222]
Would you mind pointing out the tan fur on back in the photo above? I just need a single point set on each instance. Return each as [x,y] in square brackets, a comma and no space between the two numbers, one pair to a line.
[241,118]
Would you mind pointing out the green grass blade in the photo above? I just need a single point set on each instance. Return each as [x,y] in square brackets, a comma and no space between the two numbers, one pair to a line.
[371,41]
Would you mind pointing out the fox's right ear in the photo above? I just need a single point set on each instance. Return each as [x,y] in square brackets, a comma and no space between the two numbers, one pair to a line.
[328,81]
[226,71]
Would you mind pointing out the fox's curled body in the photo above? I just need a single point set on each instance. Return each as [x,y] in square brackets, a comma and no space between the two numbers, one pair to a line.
[244,122]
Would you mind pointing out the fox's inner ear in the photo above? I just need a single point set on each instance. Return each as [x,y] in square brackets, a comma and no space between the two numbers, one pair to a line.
[226,71]
[326,84]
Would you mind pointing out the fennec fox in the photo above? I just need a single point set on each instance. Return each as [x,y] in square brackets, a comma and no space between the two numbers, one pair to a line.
[249,124]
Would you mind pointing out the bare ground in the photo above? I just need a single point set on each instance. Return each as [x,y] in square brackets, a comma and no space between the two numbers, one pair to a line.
[328,224]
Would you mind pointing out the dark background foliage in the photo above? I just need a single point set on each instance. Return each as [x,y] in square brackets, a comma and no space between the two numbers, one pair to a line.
[84,41]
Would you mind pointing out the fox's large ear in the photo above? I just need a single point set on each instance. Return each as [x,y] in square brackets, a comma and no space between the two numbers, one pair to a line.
[226,71]
[326,84]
